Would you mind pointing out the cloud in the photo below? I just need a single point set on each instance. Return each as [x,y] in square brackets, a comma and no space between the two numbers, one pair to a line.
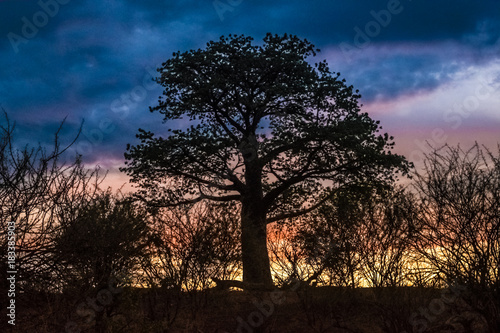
[387,70]
[326,22]
[463,110]
[93,60]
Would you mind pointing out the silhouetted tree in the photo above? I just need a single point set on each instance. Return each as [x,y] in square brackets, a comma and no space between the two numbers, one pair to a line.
[266,129]
[385,234]
[360,233]
[195,244]
[459,223]
[37,191]
[330,236]
[107,235]
[104,242]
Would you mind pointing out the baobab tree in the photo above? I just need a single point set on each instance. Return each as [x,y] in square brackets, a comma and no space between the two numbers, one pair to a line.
[262,126]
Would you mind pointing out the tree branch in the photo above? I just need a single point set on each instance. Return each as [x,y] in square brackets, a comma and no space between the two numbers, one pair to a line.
[298,212]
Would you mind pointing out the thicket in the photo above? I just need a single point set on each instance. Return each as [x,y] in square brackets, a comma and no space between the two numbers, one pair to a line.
[90,259]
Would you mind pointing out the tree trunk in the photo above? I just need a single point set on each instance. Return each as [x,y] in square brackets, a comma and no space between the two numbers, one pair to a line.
[256,267]
[255,257]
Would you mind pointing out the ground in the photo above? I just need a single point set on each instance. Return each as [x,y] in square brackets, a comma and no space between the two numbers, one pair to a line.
[320,309]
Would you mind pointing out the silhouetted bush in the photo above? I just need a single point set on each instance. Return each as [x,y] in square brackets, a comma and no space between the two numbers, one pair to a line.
[459,221]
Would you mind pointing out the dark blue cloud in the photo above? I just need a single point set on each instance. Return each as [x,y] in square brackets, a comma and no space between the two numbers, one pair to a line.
[93,60]
[382,75]
[327,22]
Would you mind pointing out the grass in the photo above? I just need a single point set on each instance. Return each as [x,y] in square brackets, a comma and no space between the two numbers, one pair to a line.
[318,309]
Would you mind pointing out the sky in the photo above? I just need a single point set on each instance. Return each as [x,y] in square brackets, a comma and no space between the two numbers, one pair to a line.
[428,70]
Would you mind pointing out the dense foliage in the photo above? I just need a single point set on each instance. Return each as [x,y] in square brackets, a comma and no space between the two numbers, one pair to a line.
[264,128]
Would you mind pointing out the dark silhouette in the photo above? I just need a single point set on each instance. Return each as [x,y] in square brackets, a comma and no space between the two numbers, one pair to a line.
[103,242]
[37,191]
[264,128]
[459,223]
[426,255]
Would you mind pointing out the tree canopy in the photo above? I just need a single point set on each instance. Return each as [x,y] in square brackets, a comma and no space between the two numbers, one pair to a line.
[259,124]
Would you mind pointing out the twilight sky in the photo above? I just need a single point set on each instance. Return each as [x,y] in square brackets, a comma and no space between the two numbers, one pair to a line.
[430,71]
